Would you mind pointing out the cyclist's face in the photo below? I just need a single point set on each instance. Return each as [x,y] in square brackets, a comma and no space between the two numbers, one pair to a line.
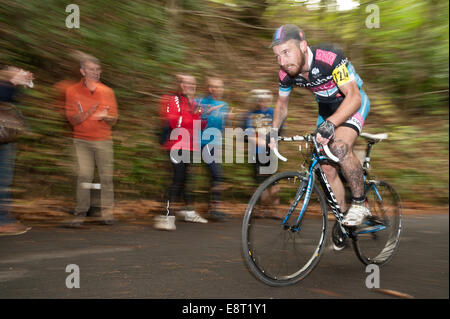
[290,56]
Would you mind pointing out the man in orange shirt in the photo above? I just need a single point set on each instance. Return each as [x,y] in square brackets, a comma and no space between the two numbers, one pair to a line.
[91,108]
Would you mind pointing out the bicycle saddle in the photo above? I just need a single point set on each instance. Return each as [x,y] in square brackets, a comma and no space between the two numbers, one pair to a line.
[375,137]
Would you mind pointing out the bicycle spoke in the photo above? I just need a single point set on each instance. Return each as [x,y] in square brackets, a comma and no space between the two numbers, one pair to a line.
[281,254]
[379,244]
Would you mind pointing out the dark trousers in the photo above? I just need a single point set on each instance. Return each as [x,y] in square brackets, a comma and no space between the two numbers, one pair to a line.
[7,158]
[180,178]
[216,171]
[259,178]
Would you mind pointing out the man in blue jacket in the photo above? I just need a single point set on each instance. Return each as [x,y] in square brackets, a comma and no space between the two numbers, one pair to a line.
[215,112]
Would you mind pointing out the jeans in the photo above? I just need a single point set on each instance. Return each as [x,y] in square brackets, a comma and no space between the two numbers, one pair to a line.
[216,170]
[90,154]
[7,158]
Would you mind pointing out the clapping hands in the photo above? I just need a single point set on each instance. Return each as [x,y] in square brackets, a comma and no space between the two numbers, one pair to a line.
[18,76]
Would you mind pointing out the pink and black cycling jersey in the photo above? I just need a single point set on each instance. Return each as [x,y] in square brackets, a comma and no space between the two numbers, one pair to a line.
[329,67]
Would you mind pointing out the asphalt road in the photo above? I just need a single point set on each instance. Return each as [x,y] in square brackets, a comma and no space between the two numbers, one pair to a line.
[203,261]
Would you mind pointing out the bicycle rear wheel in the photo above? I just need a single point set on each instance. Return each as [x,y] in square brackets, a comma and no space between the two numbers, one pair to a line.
[276,252]
[378,243]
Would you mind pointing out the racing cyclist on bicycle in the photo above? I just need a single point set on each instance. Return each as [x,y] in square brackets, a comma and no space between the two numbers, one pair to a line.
[343,108]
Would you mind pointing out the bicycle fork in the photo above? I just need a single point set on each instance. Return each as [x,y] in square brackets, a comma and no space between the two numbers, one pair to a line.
[298,196]
[307,191]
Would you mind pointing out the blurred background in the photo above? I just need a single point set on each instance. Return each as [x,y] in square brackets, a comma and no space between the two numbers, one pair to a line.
[404,63]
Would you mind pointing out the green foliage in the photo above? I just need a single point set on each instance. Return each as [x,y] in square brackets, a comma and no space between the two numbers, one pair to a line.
[141,44]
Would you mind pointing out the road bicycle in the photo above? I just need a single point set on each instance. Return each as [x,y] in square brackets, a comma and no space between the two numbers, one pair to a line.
[285,224]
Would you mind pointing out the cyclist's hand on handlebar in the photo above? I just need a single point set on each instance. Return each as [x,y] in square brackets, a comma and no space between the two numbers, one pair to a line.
[321,140]
[272,143]
[325,132]
[271,138]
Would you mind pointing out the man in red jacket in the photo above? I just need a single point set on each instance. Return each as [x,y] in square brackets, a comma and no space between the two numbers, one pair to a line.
[182,120]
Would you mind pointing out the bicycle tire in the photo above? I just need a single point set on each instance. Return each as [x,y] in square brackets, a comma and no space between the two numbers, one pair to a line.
[385,204]
[258,231]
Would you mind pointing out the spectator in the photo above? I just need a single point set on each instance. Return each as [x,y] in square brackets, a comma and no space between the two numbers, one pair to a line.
[179,113]
[10,117]
[91,108]
[215,113]
[260,119]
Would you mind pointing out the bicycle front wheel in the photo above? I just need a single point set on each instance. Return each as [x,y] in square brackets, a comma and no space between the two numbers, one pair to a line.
[378,243]
[279,247]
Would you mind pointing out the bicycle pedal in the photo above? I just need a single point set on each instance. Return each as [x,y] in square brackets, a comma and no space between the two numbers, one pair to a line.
[373,220]
[369,229]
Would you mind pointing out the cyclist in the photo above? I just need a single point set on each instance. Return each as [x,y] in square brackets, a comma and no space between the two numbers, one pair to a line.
[343,107]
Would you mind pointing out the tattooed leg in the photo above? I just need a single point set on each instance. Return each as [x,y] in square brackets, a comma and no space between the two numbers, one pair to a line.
[353,172]
[342,147]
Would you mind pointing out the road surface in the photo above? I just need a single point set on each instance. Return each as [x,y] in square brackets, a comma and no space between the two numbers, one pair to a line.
[203,261]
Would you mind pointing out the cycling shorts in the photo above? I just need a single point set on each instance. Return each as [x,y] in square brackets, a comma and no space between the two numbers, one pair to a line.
[356,121]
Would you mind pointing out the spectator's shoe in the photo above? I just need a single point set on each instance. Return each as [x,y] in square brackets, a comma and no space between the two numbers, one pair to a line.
[193,217]
[259,213]
[107,222]
[218,215]
[181,215]
[266,213]
[73,224]
[163,222]
[275,215]
[77,222]
[356,215]
[16,228]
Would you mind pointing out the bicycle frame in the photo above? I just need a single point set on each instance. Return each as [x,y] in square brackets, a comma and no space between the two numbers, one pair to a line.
[314,169]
